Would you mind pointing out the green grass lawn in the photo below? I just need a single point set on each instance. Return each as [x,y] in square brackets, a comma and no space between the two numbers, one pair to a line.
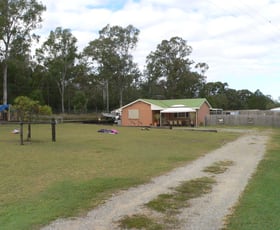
[43,180]
[259,207]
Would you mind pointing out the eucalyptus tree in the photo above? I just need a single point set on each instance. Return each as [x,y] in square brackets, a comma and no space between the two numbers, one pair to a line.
[260,101]
[112,60]
[244,96]
[170,63]
[20,73]
[22,79]
[213,89]
[88,81]
[216,94]
[233,100]
[58,54]
[17,19]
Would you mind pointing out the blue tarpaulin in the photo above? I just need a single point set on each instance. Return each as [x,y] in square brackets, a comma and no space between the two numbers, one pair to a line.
[4,107]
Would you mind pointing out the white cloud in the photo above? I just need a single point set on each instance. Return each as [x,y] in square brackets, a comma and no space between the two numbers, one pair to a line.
[237,39]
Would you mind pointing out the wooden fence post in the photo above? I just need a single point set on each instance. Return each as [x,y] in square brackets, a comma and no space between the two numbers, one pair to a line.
[21,133]
[29,132]
[53,123]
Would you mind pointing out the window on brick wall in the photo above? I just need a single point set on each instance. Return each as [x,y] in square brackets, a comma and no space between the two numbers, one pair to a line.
[133,114]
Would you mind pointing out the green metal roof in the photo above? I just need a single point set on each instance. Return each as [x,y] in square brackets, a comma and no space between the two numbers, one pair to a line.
[191,102]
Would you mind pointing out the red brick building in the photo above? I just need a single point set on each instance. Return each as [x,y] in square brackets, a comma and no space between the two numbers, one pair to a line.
[177,112]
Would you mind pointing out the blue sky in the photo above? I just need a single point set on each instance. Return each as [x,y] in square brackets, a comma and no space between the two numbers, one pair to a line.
[239,40]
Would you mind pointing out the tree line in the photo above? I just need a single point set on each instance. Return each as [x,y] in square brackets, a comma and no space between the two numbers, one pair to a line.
[103,76]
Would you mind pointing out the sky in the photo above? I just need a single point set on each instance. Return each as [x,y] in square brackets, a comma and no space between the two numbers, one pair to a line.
[239,40]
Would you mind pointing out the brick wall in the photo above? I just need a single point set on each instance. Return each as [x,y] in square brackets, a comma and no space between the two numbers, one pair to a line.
[202,113]
[145,117]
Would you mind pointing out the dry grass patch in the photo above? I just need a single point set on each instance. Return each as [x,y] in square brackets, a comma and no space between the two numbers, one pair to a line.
[168,204]
[218,167]
[139,221]
[173,202]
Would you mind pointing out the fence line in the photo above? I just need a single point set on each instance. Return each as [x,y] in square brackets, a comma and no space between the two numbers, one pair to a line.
[272,120]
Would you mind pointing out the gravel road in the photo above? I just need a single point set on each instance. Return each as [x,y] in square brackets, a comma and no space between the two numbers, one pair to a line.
[204,213]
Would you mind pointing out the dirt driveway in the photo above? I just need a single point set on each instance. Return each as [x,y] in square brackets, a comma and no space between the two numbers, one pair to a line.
[204,213]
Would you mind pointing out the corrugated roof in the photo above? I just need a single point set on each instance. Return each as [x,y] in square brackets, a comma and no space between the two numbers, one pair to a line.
[189,102]
[178,110]
[193,103]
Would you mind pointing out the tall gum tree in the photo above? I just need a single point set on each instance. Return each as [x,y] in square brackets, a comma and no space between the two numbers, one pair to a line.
[170,66]
[17,19]
[111,53]
[58,55]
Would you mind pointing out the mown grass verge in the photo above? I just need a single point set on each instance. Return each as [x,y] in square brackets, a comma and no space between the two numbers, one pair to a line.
[41,180]
[259,206]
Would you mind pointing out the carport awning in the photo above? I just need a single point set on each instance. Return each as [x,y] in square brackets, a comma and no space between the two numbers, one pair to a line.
[178,110]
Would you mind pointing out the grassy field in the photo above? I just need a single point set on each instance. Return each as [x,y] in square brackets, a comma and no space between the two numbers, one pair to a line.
[259,207]
[43,180]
